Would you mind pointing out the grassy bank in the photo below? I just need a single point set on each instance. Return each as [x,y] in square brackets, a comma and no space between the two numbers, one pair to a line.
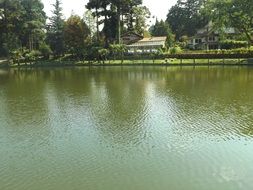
[147,62]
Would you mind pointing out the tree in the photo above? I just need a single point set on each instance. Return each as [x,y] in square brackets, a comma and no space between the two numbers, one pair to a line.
[134,14]
[89,19]
[117,50]
[11,13]
[118,16]
[140,16]
[45,51]
[103,53]
[55,35]
[232,13]
[22,25]
[130,13]
[160,28]
[34,24]
[76,34]
[95,5]
[185,17]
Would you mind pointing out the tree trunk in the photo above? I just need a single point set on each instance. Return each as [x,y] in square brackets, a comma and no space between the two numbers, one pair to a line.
[106,30]
[250,38]
[118,25]
[97,25]
[248,35]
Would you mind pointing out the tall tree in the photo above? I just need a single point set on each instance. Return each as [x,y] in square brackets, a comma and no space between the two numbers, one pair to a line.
[55,36]
[89,19]
[118,4]
[76,33]
[11,13]
[118,16]
[130,12]
[160,28]
[95,5]
[185,17]
[34,19]
[140,14]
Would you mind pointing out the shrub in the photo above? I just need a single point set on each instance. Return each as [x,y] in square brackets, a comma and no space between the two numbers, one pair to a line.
[45,50]
[17,56]
[232,44]
[175,50]
[117,50]
[103,54]
[32,56]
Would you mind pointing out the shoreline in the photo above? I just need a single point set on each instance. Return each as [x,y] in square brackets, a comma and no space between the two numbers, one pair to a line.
[131,63]
[127,65]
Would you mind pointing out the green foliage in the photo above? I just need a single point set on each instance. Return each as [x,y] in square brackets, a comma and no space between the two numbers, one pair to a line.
[9,43]
[232,44]
[55,33]
[141,14]
[160,28]
[34,24]
[183,42]
[175,50]
[103,54]
[22,24]
[118,16]
[17,56]
[11,13]
[32,56]
[45,50]
[117,50]
[76,35]
[185,17]
[89,19]
[232,13]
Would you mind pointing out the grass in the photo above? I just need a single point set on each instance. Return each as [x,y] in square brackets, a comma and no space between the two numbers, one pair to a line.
[137,62]
[171,62]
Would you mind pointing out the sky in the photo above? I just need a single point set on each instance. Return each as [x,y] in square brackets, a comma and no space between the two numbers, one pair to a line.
[158,8]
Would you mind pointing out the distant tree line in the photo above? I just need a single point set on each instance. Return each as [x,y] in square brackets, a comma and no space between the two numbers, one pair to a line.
[187,16]
[27,32]
[25,29]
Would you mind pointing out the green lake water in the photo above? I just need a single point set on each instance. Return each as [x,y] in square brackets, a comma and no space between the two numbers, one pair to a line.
[126,128]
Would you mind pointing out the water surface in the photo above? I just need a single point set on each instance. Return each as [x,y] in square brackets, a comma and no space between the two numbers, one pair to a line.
[128,128]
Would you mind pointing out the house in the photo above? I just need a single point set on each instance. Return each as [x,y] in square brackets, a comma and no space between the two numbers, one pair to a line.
[208,38]
[130,38]
[138,44]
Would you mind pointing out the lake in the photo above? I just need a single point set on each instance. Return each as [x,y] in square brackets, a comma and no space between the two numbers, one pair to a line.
[126,128]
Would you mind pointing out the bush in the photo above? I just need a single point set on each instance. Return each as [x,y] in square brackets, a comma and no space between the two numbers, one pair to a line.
[117,50]
[175,50]
[32,56]
[45,50]
[232,44]
[103,54]
[17,56]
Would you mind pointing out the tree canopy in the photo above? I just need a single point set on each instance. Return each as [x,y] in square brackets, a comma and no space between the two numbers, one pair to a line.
[185,17]
[22,24]
[118,16]
[232,13]
[26,30]
[55,31]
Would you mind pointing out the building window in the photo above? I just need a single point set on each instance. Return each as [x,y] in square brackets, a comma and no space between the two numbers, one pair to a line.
[198,41]
[211,39]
